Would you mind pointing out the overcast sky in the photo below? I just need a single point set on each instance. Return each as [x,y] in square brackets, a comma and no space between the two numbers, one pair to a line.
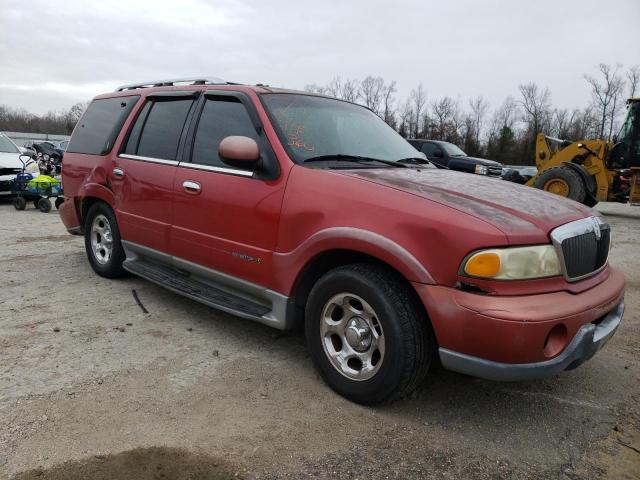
[53,54]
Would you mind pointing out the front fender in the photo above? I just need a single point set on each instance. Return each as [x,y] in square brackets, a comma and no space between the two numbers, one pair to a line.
[290,264]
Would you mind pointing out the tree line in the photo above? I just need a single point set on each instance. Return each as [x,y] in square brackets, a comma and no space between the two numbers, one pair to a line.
[506,133]
[53,122]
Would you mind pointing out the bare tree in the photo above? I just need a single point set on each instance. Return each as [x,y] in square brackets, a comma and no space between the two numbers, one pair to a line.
[372,90]
[444,117]
[606,95]
[418,99]
[479,108]
[633,78]
[388,112]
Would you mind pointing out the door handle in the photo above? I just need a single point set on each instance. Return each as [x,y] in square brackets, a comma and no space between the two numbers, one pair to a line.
[191,187]
[118,172]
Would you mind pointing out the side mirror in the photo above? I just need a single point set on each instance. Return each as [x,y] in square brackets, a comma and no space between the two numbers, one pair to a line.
[239,151]
[438,154]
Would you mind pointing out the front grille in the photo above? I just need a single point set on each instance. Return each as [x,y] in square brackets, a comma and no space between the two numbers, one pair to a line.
[10,171]
[583,245]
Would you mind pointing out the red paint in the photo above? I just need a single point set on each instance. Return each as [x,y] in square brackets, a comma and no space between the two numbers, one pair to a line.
[420,222]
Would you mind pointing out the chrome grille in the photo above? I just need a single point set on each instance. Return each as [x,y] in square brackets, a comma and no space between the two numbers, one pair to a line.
[582,246]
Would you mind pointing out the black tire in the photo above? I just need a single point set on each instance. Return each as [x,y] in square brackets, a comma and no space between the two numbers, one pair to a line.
[110,267]
[409,342]
[19,203]
[59,201]
[576,188]
[44,205]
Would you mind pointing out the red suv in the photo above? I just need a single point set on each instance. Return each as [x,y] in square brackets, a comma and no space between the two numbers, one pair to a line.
[289,208]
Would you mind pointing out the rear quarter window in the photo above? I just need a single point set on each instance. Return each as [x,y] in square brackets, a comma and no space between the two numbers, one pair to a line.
[98,128]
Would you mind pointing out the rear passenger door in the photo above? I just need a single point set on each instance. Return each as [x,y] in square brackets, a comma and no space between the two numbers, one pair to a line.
[144,171]
[226,218]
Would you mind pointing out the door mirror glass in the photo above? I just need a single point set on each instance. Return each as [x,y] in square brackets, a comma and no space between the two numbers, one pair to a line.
[239,151]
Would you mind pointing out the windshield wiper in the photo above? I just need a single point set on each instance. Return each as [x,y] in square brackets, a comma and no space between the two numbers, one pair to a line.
[414,160]
[341,157]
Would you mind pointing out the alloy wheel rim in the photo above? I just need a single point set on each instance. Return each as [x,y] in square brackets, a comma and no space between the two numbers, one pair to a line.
[101,239]
[352,336]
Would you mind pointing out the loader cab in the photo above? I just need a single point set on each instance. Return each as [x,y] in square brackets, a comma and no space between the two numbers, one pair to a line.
[626,150]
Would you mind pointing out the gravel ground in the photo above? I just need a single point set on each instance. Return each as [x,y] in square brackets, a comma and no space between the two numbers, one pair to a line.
[92,387]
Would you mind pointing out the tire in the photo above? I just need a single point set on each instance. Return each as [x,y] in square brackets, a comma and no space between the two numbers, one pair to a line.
[44,205]
[19,203]
[562,181]
[58,202]
[102,241]
[395,340]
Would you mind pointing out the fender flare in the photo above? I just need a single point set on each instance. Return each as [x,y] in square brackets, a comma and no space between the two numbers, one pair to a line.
[589,181]
[349,238]
[95,190]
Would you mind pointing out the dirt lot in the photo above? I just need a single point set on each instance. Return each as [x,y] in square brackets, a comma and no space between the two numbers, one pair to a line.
[183,391]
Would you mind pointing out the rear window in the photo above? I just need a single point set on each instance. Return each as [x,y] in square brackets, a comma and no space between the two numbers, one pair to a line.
[100,125]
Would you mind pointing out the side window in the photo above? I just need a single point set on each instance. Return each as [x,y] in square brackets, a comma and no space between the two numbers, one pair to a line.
[429,148]
[221,117]
[98,128]
[158,128]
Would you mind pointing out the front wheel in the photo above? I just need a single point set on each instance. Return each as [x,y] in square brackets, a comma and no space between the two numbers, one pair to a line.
[19,203]
[366,334]
[562,181]
[102,241]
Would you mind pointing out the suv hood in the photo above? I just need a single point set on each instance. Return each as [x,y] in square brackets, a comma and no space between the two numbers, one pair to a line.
[10,160]
[524,214]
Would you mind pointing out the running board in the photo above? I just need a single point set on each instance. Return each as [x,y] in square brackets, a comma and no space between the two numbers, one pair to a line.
[196,289]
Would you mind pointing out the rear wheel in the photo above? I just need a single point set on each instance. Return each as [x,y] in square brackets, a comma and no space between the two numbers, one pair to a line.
[366,334]
[562,181]
[102,241]
[44,205]
[59,201]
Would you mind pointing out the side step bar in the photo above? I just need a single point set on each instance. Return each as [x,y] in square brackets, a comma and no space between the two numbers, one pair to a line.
[185,284]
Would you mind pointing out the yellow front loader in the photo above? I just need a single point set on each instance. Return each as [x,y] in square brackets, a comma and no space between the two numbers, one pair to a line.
[592,171]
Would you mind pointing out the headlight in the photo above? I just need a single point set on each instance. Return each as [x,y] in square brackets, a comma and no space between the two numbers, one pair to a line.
[482,169]
[517,263]
[32,167]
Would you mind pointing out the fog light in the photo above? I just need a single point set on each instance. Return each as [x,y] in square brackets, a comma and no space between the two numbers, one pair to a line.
[556,341]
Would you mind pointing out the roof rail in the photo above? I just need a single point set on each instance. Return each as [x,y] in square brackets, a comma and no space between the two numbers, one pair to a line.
[169,83]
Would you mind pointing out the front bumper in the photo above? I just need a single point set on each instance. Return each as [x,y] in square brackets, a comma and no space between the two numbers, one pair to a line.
[504,337]
[589,339]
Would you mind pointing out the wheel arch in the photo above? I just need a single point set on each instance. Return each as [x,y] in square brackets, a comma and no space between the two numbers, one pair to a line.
[92,193]
[327,260]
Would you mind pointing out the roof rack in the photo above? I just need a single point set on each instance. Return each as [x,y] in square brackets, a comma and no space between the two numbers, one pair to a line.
[170,83]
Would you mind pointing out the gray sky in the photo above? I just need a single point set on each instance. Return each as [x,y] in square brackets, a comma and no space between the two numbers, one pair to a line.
[53,54]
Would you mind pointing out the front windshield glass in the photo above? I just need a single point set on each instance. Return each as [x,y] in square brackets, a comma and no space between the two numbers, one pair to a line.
[7,145]
[627,127]
[453,150]
[311,126]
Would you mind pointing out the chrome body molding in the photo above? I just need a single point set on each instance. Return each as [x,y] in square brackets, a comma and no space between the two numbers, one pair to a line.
[282,308]
[161,161]
[192,166]
[210,168]
[574,229]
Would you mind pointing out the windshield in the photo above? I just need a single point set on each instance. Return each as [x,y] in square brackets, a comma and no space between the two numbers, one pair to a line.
[7,145]
[311,126]
[453,150]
